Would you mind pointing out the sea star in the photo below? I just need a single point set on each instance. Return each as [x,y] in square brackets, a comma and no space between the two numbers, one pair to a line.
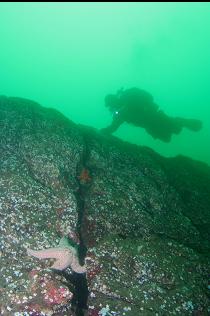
[84,176]
[65,255]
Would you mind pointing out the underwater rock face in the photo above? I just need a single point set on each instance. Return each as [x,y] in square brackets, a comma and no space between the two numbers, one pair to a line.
[144,218]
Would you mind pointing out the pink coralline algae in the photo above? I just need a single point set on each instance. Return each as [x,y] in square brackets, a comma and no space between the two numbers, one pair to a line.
[56,296]
[94,312]
[45,294]
[93,272]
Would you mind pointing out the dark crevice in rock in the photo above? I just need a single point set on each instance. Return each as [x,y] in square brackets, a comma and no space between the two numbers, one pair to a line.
[82,179]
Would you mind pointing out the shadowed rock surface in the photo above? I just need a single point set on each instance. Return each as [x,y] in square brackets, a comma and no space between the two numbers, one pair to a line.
[145,219]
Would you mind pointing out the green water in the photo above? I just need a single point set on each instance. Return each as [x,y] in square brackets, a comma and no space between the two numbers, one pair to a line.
[69,56]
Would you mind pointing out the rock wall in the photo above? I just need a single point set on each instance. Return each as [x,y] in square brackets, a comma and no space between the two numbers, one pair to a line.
[143,218]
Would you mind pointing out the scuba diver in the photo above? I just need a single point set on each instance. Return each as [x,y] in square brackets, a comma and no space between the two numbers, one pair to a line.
[137,106]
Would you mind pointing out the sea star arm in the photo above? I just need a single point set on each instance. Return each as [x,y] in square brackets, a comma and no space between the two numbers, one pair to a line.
[54,253]
[63,256]
[76,267]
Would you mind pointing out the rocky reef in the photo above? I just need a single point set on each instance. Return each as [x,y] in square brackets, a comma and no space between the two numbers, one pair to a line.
[144,219]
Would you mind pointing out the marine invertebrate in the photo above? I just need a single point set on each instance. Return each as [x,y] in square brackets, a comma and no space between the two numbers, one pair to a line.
[65,255]
[84,176]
